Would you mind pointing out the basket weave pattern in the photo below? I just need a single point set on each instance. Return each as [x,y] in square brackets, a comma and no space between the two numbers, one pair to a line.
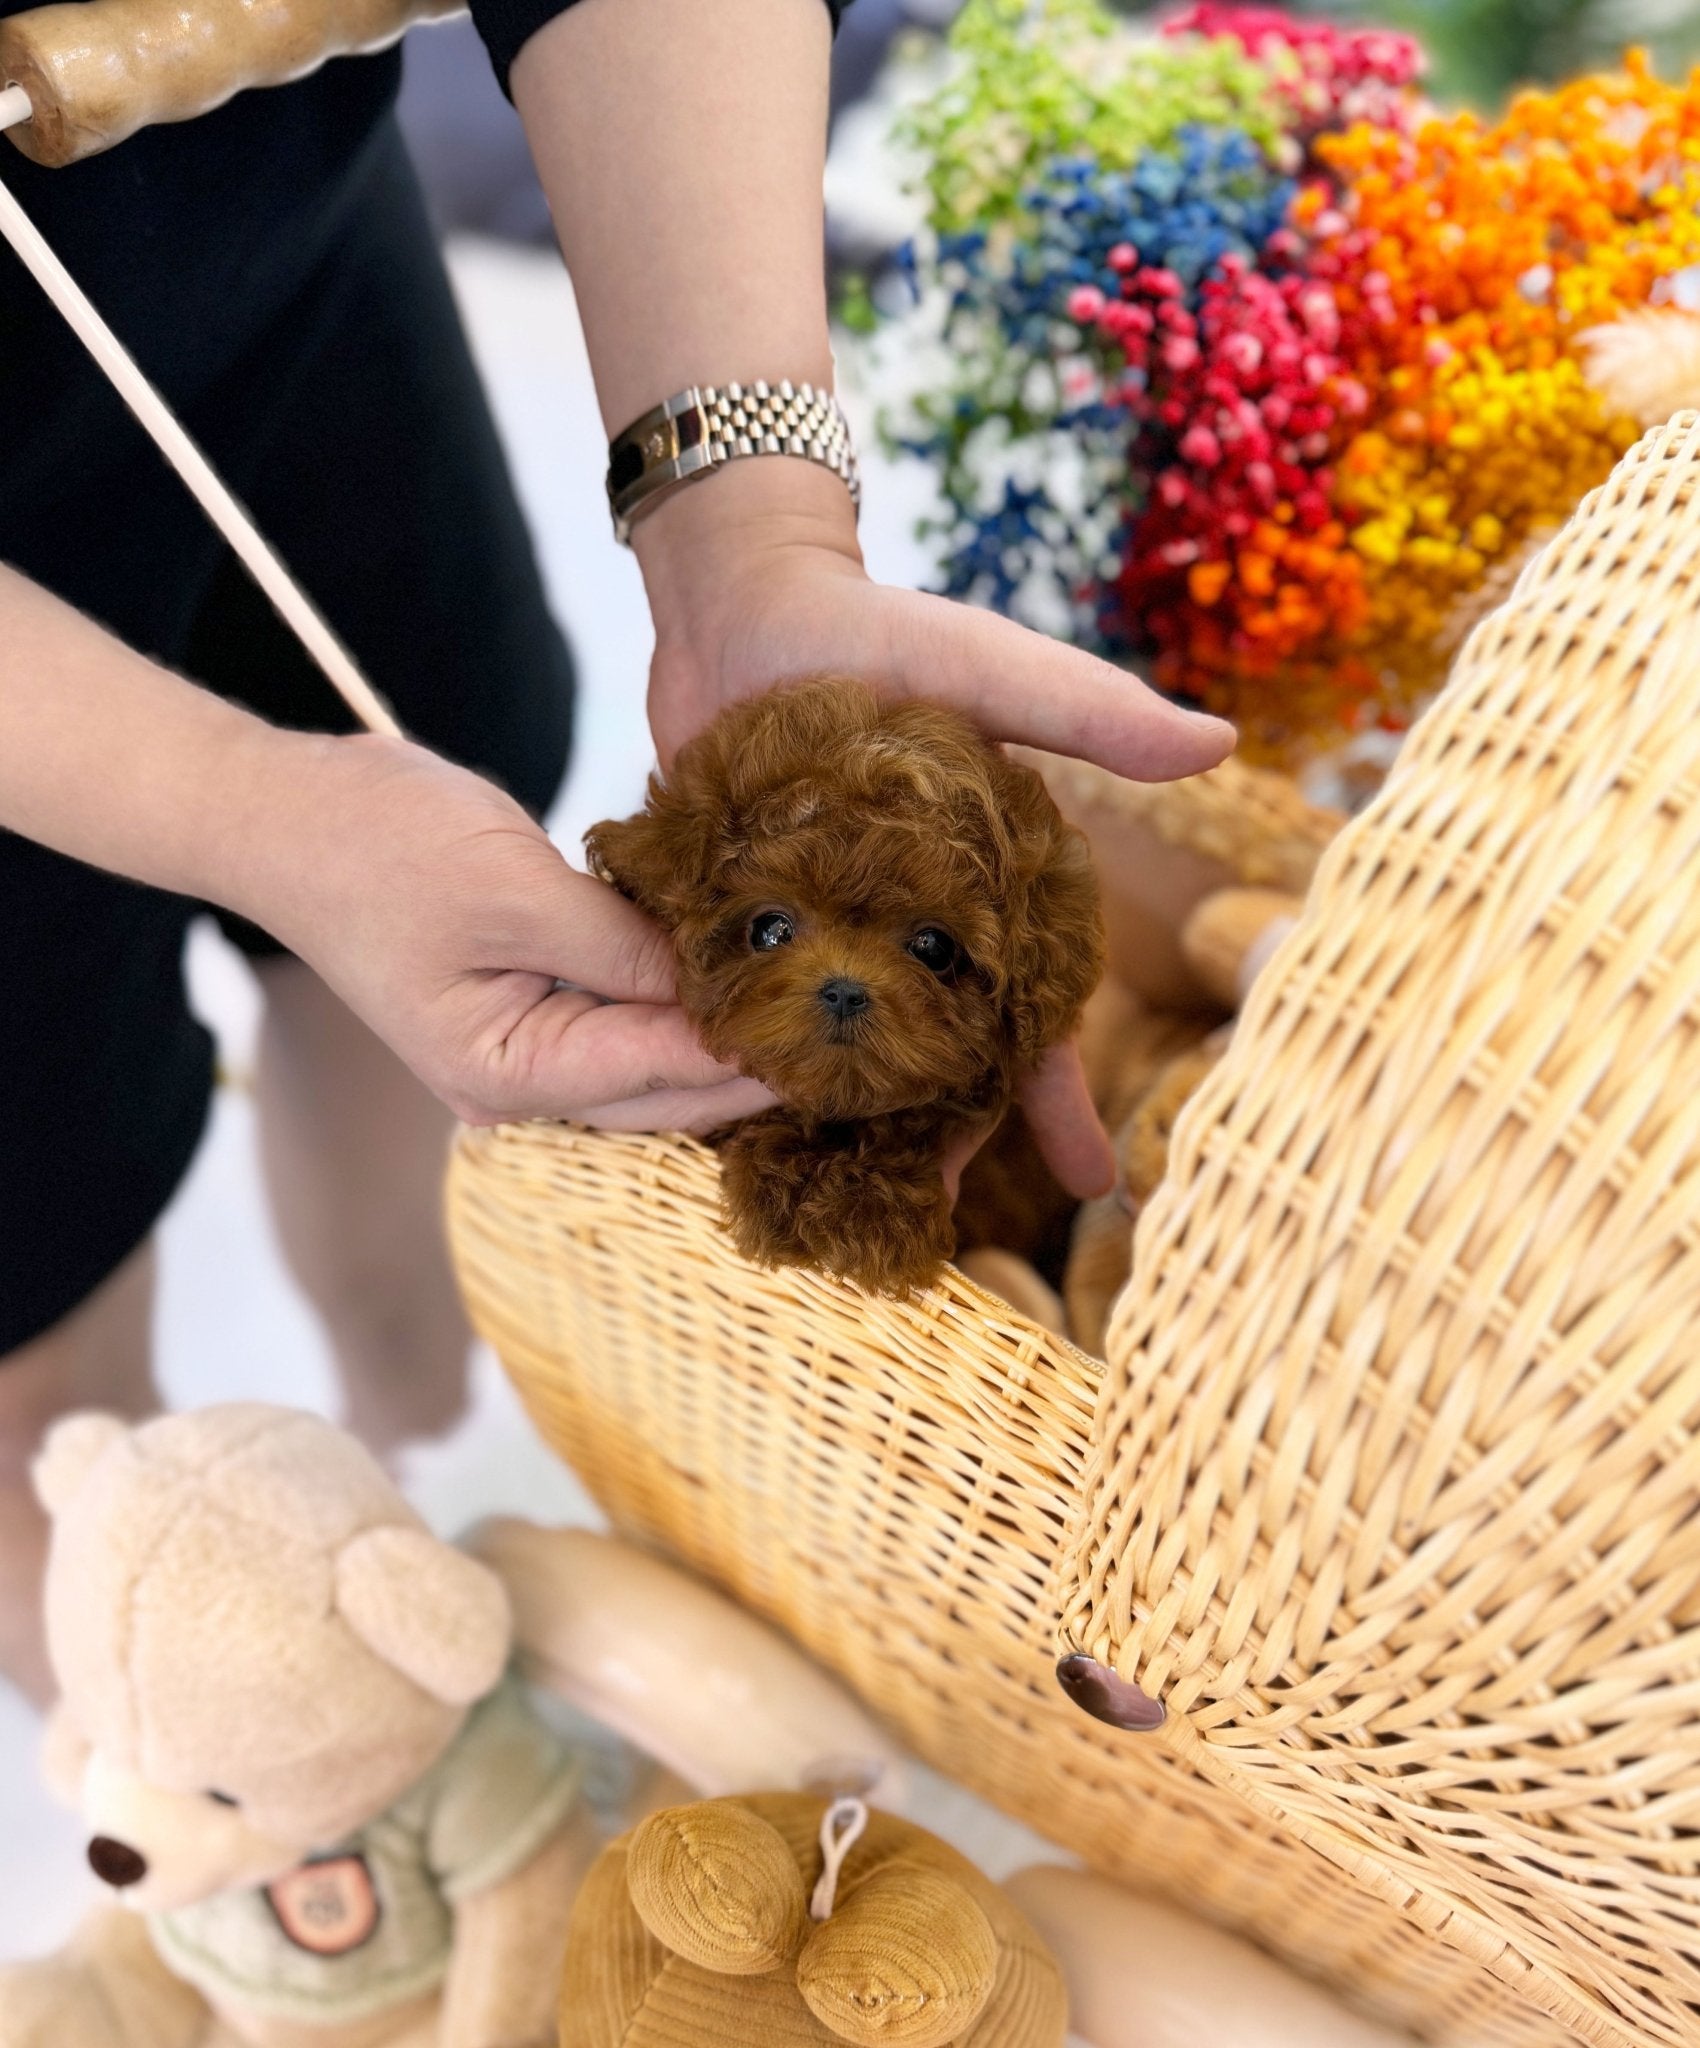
[1395,1494]
[1391,1490]
[891,1483]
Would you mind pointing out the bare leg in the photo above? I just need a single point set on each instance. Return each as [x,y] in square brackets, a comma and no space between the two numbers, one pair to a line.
[99,1356]
[353,1149]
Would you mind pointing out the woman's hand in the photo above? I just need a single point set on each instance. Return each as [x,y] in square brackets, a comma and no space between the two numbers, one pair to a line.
[447,920]
[426,898]
[681,149]
[755,578]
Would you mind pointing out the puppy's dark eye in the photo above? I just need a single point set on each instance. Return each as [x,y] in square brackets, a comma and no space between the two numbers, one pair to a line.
[773,928]
[937,951]
[223,1799]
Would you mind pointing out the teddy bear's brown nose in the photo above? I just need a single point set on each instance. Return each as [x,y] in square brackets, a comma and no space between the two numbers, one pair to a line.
[116,1863]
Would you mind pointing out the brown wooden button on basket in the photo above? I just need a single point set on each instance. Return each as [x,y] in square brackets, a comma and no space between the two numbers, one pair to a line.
[1389,1491]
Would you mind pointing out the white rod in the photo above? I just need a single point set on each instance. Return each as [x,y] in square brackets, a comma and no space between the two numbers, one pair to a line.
[15,107]
[192,466]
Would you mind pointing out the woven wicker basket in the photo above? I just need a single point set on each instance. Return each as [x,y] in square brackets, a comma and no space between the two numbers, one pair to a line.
[891,1484]
[1395,1493]
[1390,1493]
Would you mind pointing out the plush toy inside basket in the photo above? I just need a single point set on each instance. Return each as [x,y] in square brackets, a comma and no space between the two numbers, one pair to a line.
[1199,881]
[1386,1494]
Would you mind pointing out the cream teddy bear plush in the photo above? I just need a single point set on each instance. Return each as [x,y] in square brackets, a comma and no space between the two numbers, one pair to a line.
[305,1758]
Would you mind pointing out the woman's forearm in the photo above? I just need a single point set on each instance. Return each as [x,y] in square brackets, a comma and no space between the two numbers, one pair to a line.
[681,144]
[109,758]
[424,897]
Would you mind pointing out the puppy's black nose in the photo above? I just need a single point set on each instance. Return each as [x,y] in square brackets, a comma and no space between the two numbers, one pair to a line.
[116,1863]
[844,999]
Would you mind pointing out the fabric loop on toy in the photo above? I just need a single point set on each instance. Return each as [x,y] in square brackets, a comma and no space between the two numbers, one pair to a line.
[841,1828]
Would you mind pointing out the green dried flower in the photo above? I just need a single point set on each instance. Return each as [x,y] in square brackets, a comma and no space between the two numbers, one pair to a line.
[1035,80]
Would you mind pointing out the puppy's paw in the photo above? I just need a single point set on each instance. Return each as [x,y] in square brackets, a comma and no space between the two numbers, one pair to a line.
[766,1167]
[861,1201]
[887,1230]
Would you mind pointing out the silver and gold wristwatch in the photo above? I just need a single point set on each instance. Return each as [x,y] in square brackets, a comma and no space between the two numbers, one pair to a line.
[697,430]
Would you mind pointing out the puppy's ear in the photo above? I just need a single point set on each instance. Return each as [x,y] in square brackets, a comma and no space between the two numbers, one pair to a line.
[634,855]
[1055,935]
[661,858]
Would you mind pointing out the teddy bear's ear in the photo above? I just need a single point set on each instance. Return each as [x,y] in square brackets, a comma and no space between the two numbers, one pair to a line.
[427,1609]
[69,1453]
[908,1960]
[717,1885]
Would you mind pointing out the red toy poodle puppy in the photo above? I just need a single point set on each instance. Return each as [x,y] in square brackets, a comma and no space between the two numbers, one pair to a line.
[883,919]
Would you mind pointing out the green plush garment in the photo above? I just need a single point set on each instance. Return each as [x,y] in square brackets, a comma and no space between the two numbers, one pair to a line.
[369,1922]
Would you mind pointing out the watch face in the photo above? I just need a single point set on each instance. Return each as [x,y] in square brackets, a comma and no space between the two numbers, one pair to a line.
[642,450]
[625,464]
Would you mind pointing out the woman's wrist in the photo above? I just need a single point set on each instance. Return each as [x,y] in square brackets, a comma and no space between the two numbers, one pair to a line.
[705,547]
[310,818]
[255,816]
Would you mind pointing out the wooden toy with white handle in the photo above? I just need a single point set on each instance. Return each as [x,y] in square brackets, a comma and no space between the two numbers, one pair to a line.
[1141,1974]
[718,1697]
[78,77]
[96,71]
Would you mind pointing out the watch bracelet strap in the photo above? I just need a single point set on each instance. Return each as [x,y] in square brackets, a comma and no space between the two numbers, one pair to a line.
[699,429]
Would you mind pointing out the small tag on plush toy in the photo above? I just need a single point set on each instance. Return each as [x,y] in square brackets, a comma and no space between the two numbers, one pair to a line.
[328,1908]
[843,1826]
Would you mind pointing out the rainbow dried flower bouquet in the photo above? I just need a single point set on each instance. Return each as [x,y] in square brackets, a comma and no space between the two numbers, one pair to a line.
[1257,371]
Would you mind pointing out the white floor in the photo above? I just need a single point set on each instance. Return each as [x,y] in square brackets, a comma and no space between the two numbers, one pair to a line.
[231,1324]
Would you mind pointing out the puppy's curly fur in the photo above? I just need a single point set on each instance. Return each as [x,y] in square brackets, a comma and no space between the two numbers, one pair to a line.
[883,919]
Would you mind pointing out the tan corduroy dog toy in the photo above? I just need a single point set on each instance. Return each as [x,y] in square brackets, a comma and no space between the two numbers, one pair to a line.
[785,1921]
